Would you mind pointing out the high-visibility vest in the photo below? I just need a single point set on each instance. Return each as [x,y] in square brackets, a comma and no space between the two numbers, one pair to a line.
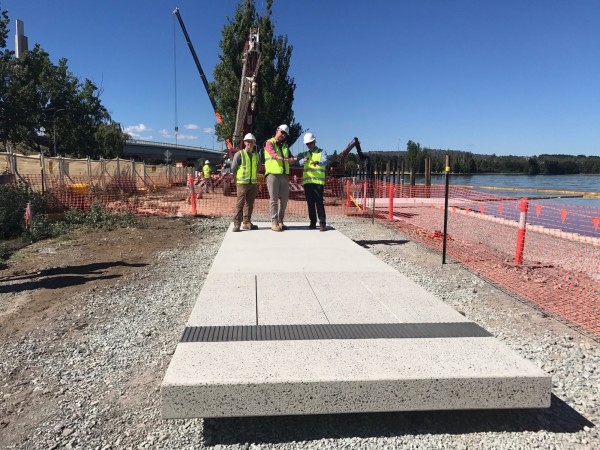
[313,174]
[246,171]
[273,165]
[206,170]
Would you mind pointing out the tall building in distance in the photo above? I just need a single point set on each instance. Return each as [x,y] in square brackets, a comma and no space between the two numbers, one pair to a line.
[20,39]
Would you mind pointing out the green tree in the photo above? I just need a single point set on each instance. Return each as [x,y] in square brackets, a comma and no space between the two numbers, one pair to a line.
[275,87]
[43,105]
[533,167]
[414,155]
[110,140]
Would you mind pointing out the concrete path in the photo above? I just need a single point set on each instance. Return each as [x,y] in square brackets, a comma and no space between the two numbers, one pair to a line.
[309,322]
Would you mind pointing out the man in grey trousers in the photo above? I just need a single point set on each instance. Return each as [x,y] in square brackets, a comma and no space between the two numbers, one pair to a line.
[277,169]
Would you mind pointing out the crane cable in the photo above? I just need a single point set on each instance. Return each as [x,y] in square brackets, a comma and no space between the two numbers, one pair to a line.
[175,77]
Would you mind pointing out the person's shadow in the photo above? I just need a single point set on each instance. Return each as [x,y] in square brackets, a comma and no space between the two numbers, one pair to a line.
[60,277]
[559,418]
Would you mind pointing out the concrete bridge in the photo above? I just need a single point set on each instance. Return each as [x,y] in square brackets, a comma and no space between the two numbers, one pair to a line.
[155,152]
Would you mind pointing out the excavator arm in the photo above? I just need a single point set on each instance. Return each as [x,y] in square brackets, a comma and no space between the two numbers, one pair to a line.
[353,144]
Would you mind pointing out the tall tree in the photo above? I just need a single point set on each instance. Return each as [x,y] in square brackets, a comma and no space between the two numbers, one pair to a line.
[275,86]
[44,106]
[414,155]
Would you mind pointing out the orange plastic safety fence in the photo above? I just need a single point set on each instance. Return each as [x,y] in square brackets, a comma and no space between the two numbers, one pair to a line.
[543,251]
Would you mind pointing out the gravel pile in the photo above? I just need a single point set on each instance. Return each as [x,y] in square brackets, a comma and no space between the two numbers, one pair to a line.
[96,376]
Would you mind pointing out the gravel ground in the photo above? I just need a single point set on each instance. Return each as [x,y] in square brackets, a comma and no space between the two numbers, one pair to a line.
[98,373]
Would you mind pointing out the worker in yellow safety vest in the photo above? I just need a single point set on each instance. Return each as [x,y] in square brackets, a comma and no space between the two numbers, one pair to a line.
[313,181]
[277,168]
[244,166]
[207,180]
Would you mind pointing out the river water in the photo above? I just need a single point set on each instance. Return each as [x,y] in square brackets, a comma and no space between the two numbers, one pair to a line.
[577,215]
[529,183]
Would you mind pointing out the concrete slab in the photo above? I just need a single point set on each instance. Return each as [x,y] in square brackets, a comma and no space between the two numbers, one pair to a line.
[306,277]
[341,376]
[292,251]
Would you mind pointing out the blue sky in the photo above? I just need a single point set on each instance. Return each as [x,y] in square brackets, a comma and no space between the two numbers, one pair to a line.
[505,77]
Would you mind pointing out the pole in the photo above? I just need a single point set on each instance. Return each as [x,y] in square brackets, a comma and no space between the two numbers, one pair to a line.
[373,188]
[447,171]
[42,172]
[348,201]
[522,230]
[54,128]
[391,204]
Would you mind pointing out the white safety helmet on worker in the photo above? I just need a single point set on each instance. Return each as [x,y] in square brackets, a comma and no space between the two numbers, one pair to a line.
[207,162]
[309,137]
[284,128]
[250,137]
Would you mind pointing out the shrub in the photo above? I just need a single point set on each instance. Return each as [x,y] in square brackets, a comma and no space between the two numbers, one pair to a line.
[13,200]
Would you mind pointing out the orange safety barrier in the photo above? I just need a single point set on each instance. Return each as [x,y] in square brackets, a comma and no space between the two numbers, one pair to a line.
[555,267]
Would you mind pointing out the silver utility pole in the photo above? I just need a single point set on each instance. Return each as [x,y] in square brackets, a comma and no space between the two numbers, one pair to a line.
[20,39]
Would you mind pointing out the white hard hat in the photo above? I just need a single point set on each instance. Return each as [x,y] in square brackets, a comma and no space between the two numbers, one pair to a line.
[249,137]
[284,128]
[207,162]
[309,137]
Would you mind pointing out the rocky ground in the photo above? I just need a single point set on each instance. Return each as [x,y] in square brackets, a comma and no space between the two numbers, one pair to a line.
[88,326]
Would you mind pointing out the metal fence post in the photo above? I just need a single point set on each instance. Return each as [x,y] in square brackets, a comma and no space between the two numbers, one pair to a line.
[447,171]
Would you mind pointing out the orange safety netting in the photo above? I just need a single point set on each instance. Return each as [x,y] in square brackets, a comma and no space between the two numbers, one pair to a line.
[543,251]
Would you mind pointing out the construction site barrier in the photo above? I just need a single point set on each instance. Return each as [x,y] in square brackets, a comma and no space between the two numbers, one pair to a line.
[543,251]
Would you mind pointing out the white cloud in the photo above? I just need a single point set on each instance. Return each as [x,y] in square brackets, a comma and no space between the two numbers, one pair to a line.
[193,126]
[188,137]
[165,133]
[136,129]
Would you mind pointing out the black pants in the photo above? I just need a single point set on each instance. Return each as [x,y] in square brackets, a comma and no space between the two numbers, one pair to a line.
[314,201]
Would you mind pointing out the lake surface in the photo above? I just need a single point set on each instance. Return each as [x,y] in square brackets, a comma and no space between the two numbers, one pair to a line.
[579,183]
[577,215]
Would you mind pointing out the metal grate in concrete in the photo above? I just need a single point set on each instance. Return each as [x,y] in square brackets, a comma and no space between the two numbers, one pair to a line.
[333,331]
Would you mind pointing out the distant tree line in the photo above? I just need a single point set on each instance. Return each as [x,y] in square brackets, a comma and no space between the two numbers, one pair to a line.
[462,162]
[45,108]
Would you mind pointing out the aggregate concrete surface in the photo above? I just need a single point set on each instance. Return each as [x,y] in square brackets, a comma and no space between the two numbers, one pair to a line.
[314,278]
[85,371]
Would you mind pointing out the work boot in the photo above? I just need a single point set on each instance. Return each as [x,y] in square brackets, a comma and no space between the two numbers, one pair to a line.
[323,228]
[282,226]
[275,227]
[249,226]
[236,227]
[312,226]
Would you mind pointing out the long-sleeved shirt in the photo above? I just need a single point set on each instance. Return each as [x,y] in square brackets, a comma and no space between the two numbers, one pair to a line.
[270,148]
[303,155]
[237,160]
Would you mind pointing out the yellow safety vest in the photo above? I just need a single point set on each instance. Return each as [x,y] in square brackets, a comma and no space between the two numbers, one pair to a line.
[246,171]
[206,170]
[313,174]
[273,165]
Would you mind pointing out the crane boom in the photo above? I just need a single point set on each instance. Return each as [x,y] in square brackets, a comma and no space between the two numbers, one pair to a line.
[201,72]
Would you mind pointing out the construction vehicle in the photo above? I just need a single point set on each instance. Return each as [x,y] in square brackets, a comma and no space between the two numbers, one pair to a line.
[247,110]
[341,167]
[201,72]
[334,186]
